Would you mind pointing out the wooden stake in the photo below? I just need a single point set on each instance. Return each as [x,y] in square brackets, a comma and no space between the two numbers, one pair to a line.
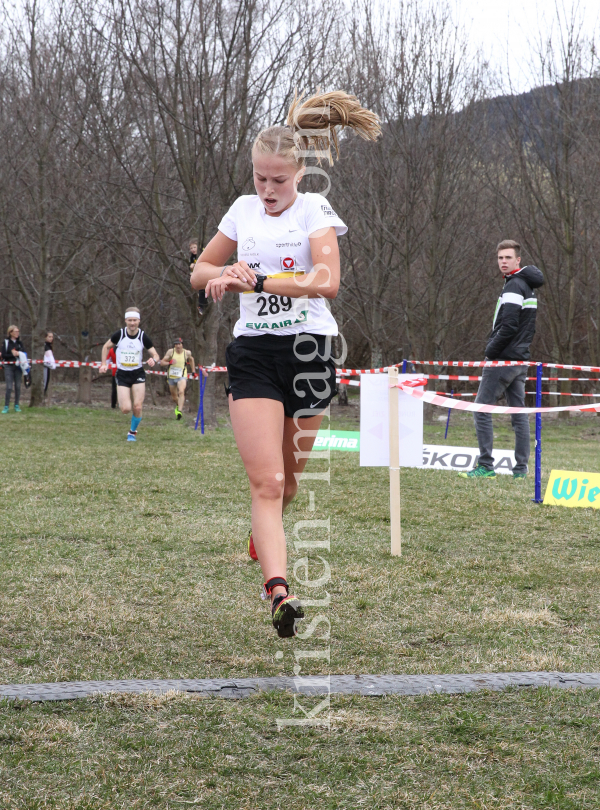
[394,464]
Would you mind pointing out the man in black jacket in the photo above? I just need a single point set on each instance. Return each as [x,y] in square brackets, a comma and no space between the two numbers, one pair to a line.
[202,300]
[512,332]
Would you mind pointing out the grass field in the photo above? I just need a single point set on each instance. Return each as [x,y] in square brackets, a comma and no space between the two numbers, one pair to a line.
[123,561]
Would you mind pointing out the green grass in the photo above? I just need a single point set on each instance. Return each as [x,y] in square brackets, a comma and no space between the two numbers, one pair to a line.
[123,561]
[537,749]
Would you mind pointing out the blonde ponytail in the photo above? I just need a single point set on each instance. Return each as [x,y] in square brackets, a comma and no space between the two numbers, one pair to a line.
[312,127]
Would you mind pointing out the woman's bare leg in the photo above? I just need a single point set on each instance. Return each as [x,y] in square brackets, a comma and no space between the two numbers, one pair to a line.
[292,444]
[258,429]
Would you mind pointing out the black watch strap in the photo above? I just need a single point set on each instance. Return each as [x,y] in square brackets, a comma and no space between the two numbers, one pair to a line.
[258,287]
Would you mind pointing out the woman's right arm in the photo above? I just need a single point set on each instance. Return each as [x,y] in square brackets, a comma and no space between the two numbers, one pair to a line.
[211,261]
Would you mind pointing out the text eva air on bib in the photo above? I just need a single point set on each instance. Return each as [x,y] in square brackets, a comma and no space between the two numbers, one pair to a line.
[280,247]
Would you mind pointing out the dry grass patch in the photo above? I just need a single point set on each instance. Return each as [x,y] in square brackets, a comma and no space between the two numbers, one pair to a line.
[124,562]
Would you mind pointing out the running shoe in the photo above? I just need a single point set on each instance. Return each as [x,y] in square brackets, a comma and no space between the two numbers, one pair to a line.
[178,413]
[131,436]
[287,612]
[5,409]
[478,472]
[251,549]
[17,409]
[519,476]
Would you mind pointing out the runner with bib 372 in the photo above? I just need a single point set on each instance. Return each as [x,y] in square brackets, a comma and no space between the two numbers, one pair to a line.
[129,344]
[281,374]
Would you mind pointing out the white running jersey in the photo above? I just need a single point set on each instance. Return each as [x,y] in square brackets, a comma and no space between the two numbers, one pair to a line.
[279,246]
[129,350]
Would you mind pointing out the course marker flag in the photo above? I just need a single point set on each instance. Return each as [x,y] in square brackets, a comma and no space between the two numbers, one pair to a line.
[445,402]
[568,488]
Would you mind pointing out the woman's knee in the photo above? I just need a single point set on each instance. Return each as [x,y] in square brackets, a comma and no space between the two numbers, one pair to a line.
[269,487]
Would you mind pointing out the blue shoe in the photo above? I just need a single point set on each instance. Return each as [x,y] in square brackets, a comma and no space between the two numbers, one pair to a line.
[17,409]
[131,436]
[5,409]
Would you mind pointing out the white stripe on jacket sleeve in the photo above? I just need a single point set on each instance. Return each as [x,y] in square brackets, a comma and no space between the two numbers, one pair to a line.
[512,298]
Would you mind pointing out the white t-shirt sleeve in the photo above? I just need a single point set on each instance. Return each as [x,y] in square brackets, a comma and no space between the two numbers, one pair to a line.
[319,214]
[228,225]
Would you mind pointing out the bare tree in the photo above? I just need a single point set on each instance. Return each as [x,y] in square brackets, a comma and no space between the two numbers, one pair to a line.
[43,168]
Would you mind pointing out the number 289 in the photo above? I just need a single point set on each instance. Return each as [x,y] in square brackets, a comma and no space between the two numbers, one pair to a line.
[274,304]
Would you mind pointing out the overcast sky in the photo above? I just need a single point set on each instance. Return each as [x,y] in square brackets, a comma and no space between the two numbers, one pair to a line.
[505,28]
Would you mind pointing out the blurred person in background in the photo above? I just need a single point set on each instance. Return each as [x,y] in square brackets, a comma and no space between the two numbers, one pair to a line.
[13,374]
[177,360]
[111,357]
[49,360]
[130,343]
[202,300]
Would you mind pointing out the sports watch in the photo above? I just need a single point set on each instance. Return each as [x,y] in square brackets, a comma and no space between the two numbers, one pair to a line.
[258,287]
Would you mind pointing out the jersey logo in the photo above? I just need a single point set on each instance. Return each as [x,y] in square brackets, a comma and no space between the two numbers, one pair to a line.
[248,244]
[254,265]
[288,263]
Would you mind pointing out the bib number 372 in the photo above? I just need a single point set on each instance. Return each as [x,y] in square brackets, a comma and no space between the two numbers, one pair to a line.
[130,359]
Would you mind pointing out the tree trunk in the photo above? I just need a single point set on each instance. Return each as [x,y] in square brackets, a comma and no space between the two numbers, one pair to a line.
[150,380]
[376,356]
[37,386]
[84,391]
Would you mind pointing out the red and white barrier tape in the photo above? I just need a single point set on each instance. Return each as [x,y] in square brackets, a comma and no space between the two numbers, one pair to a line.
[495,363]
[353,372]
[111,366]
[410,387]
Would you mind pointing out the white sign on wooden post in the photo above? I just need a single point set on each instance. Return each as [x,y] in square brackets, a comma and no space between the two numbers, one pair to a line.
[391,434]
[375,421]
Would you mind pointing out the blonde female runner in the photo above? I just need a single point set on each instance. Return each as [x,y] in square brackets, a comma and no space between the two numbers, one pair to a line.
[281,374]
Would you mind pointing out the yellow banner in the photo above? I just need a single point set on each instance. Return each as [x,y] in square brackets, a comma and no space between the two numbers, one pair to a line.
[568,488]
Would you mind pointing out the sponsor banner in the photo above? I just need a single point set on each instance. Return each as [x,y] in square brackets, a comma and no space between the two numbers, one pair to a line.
[568,488]
[337,440]
[463,459]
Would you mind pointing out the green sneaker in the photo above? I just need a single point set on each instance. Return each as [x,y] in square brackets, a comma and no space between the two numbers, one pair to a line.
[5,409]
[17,409]
[478,472]
[519,476]
[178,413]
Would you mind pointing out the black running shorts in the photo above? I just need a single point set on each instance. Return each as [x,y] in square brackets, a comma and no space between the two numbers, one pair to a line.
[287,368]
[130,377]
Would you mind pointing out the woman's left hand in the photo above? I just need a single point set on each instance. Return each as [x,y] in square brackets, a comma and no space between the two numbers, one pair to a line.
[217,287]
